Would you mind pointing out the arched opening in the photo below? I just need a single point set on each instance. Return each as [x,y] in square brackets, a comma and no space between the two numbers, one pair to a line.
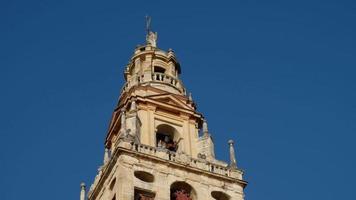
[158,69]
[144,176]
[167,137]
[182,191]
[219,195]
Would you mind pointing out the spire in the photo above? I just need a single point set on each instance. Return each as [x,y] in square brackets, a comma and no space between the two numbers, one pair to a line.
[151,37]
[82,191]
[233,164]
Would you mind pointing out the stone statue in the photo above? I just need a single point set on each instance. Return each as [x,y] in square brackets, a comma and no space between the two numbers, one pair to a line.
[151,38]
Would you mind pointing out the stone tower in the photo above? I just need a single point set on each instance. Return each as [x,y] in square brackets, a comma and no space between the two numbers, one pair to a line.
[158,146]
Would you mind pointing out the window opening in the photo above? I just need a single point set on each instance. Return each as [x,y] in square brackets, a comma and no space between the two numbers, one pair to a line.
[158,69]
[166,138]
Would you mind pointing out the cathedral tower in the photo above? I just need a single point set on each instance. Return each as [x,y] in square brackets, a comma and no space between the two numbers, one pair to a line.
[158,146]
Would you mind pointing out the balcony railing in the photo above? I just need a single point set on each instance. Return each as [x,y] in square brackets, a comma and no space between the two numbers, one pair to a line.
[161,77]
[185,159]
[155,77]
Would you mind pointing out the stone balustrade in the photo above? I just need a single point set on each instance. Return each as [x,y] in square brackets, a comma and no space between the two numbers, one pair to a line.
[161,77]
[155,77]
[187,160]
[167,79]
[144,149]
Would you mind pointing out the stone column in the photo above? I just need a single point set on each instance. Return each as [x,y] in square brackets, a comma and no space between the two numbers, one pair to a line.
[148,68]
[151,126]
[144,129]
[194,134]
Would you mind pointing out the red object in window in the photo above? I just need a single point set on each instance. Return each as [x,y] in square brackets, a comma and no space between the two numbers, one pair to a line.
[182,195]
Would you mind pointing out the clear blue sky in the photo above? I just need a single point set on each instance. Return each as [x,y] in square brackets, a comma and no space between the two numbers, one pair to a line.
[278,77]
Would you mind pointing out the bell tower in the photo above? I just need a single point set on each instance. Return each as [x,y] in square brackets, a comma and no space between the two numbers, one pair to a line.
[158,145]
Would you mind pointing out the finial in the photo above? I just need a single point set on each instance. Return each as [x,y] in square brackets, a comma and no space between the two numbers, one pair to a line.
[205,128]
[82,191]
[190,97]
[151,37]
[106,156]
[233,163]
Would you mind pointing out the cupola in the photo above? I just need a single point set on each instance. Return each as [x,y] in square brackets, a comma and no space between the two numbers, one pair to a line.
[152,66]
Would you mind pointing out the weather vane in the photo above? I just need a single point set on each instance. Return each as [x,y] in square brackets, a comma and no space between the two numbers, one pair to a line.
[148,24]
